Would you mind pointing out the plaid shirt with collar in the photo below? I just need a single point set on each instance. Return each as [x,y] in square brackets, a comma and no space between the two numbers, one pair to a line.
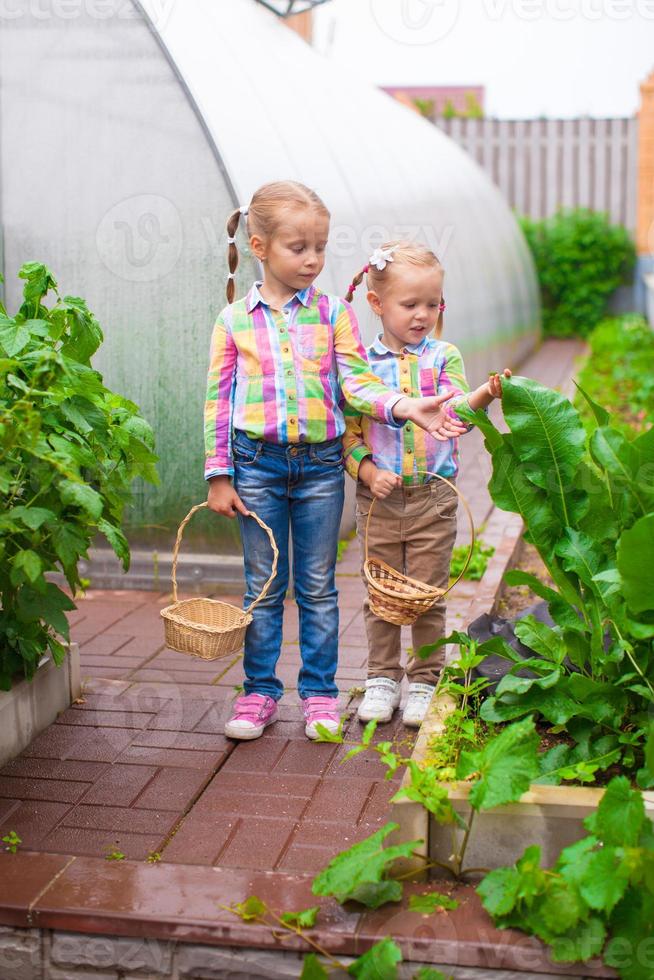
[428,368]
[284,375]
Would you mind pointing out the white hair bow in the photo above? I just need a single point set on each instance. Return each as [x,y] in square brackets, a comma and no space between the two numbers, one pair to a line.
[380,257]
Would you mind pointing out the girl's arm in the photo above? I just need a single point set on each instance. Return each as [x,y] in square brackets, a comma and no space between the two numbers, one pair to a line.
[218,411]
[362,389]
[370,396]
[359,460]
[482,396]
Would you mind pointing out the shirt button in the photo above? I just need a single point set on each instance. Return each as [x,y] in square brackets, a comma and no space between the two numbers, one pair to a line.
[409,450]
[291,396]
[406,390]
[401,357]
[285,350]
[292,422]
[407,428]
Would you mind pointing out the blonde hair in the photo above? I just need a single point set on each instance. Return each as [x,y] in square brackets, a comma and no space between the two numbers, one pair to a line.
[403,253]
[263,215]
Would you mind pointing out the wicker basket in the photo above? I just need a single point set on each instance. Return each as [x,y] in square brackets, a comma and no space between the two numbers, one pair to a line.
[208,628]
[395,597]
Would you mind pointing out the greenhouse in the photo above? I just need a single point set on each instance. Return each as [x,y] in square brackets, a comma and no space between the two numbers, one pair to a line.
[129,131]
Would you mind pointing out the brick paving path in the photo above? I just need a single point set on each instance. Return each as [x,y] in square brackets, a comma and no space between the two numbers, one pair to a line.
[141,764]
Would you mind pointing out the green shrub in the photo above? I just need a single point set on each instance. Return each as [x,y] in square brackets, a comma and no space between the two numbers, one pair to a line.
[581,258]
[618,373]
[69,450]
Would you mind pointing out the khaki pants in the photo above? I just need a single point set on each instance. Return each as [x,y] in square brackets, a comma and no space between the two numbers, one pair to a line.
[413,530]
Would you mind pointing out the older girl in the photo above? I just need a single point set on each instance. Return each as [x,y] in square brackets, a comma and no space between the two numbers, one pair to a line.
[282,359]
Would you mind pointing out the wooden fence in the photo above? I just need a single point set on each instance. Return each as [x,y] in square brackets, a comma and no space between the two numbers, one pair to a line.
[543,164]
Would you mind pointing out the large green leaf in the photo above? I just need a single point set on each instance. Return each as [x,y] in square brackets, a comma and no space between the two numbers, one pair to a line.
[358,873]
[620,816]
[541,638]
[512,491]
[13,336]
[635,551]
[612,451]
[379,963]
[580,555]
[506,766]
[548,437]
[81,495]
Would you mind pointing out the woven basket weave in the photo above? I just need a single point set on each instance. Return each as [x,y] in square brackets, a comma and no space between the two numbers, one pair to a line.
[207,628]
[395,597]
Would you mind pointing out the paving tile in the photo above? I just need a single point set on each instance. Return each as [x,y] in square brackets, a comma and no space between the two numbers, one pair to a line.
[258,756]
[125,664]
[378,807]
[80,742]
[23,877]
[55,790]
[179,758]
[128,819]
[201,838]
[250,805]
[194,692]
[33,820]
[120,784]
[186,716]
[141,646]
[104,644]
[257,844]
[171,789]
[89,673]
[105,719]
[182,740]
[305,757]
[341,800]
[336,835]
[280,786]
[103,685]
[305,859]
[99,843]
[70,769]
[185,677]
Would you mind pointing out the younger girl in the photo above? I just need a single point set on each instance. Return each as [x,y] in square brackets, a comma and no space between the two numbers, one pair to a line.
[282,358]
[413,526]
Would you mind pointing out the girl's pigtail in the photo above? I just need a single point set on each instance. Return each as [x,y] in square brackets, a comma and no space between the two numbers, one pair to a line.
[356,282]
[439,322]
[232,253]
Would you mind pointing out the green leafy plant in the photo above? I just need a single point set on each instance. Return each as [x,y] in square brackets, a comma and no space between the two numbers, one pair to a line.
[361,873]
[154,857]
[598,897]
[12,841]
[70,449]
[581,258]
[114,855]
[380,962]
[588,503]
[478,560]
[618,372]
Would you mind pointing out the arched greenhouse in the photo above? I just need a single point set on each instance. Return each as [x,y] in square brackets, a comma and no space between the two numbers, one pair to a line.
[130,130]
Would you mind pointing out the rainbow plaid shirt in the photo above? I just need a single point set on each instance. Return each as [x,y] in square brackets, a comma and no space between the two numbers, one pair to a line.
[427,368]
[284,376]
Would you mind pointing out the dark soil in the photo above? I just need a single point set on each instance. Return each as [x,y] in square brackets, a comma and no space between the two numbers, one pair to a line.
[516,598]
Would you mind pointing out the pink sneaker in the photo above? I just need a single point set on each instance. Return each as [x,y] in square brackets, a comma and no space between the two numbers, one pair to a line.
[250,715]
[320,710]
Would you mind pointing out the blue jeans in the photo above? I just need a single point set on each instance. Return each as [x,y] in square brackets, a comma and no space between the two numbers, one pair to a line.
[296,488]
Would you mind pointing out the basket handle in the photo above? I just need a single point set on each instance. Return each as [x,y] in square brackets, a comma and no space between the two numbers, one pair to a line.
[468,514]
[264,527]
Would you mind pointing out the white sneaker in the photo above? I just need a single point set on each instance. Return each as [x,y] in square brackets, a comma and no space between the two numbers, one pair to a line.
[419,699]
[381,699]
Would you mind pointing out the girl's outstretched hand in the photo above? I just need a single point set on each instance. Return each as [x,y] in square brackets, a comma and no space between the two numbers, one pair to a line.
[430,415]
[495,383]
[224,499]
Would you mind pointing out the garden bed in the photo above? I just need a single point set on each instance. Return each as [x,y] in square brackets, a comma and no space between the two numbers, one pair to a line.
[30,706]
